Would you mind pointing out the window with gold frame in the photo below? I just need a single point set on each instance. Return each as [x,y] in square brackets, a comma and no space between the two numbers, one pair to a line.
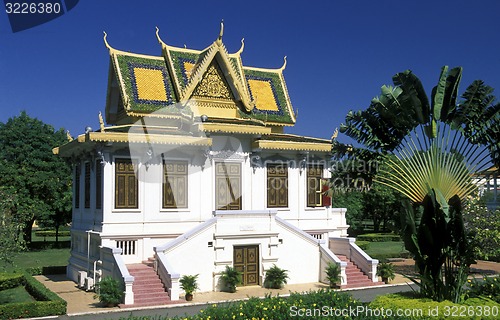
[175,184]
[77,185]
[98,184]
[314,176]
[87,185]
[126,185]
[277,185]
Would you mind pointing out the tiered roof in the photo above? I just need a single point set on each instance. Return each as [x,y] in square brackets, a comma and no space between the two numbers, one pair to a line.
[186,82]
[184,95]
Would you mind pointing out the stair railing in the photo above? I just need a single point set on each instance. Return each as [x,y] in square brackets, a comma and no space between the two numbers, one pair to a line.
[328,256]
[168,276]
[111,256]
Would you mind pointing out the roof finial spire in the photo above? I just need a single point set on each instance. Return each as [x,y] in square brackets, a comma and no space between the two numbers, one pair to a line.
[101,122]
[219,39]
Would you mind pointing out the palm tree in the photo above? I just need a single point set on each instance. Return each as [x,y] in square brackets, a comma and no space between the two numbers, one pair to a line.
[437,145]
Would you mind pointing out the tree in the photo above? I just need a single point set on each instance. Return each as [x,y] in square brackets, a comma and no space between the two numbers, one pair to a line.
[437,145]
[10,240]
[40,180]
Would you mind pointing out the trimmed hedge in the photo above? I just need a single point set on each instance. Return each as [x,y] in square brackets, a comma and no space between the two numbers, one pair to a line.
[52,233]
[48,303]
[363,245]
[36,271]
[11,280]
[379,237]
[423,308]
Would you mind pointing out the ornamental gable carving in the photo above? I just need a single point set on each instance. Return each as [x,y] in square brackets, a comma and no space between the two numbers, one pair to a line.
[213,85]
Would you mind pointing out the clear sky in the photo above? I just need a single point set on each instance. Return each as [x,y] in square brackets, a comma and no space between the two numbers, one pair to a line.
[339,52]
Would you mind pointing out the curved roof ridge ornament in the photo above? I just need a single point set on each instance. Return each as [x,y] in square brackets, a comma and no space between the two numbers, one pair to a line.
[284,64]
[158,36]
[221,32]
[106,42]
[242,46]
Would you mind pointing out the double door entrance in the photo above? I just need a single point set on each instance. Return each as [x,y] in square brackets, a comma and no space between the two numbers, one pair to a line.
[246,261]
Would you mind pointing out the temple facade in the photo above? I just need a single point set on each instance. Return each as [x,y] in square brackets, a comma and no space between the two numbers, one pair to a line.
[191,171]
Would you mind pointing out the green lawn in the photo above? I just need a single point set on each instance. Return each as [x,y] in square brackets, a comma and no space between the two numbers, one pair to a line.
[387,249]
[15,295]
[39,258]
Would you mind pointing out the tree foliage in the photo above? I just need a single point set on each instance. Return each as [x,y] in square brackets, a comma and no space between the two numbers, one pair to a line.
[10,227]
[40,180]
[484,228]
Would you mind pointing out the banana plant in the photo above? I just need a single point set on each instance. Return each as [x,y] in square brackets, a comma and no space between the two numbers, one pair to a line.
[437,145]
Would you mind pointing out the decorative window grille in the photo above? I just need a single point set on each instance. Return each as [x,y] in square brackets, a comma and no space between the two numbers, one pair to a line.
[128,247]
[126,185]
[98,184]
[175,184]
[318,236]
[87,185]
[314,175]
[77,185]
[277,186]
[228,186]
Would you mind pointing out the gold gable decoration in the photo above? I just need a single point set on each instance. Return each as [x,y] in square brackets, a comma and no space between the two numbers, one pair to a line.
[213,85]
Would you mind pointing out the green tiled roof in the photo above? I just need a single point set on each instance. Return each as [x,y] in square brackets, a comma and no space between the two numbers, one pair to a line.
[127,66]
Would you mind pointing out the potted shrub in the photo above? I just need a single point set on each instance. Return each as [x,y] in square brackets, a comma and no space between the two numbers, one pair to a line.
[385,270]
[333,274]
[275,278]
[231,278]
[109,292]
[189,285]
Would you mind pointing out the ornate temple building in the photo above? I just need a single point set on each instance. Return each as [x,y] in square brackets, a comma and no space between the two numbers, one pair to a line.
[192,171]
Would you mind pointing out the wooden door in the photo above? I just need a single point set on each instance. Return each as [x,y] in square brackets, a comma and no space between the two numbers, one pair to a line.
[227,186]
[246,261]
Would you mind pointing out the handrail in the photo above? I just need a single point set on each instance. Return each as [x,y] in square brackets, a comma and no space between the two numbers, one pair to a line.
[328,256]
[298,231]
[171,244]
[120,270]
[168,276]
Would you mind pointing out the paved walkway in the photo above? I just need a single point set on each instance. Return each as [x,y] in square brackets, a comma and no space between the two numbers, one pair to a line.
[80,302]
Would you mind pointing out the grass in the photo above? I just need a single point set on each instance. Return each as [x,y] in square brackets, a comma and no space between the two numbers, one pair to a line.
[15,295]
[41,254]
[386,249]
[39,258]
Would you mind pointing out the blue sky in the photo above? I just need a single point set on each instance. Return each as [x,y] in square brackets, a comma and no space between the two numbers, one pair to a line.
[339,52]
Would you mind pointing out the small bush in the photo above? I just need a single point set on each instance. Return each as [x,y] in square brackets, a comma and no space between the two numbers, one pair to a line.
[385,270]
[423,308]
[379,237]
[231,278]
[275,278]
[322,303]
[488,287]
[333,272]
[109,291]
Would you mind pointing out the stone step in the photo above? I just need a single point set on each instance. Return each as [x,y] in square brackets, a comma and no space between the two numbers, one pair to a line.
[355,276]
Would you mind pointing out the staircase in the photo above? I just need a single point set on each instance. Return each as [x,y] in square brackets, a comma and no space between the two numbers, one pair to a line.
[355,277]
[148,288]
